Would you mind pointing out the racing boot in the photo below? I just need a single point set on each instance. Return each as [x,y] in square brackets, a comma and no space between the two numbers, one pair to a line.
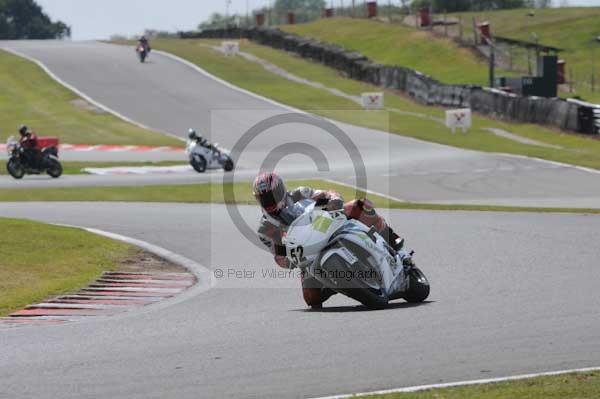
[314,297]
[314,293]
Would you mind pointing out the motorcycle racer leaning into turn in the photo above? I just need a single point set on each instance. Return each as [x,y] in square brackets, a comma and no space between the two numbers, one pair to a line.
[271,194]
[198,138]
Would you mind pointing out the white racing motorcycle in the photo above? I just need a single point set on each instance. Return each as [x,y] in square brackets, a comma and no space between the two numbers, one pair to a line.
[208,157]
[351,258]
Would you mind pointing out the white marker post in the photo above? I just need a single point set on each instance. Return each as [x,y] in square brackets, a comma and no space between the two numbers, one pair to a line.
[230,48]
[458,118]
[372,100]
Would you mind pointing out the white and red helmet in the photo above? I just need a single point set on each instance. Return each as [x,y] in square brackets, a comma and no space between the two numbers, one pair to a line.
[270,193]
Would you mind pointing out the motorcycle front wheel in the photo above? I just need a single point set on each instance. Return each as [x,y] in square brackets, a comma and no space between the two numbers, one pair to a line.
[55,169]
[228,165]
[198,163]
[15,168]
[418,286]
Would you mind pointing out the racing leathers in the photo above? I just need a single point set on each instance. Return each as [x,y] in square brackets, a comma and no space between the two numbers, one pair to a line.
[31,153]
[271,229]
[145,43]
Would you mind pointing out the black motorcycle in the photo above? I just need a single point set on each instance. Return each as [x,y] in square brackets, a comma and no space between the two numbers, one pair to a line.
[142,52]
[23,162]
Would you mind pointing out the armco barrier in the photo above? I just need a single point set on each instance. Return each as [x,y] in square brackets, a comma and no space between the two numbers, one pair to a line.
[556,112]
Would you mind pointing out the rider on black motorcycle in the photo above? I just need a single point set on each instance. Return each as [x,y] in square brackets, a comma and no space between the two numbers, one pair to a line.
[271,194]
[33,155]
[28,142]
[143,41]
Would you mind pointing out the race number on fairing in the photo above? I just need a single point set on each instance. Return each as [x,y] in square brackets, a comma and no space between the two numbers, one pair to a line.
[297,254]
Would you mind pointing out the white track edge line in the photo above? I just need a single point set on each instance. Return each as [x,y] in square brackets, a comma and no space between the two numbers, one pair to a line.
[390,197]
[85,96]
[461,383]
[556,163]
[202,274]
[228,84]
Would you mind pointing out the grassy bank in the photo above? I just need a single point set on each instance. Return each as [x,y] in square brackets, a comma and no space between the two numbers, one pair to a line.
[29,96]
[39,260]
[216,193]
[574,385]
[574,149]
[395,44]
[572,29]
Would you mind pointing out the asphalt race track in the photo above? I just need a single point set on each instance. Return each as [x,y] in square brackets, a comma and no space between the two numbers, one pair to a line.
[512,293]
[169,96]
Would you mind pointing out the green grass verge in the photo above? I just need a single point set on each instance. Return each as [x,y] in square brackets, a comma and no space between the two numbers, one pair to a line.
[38,260]
[572,29]
[214,193]
[576,149]
[395,44]
[29,96]
[574,385]
[75,168]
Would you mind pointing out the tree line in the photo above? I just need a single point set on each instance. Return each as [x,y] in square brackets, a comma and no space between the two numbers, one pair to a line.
[25,19]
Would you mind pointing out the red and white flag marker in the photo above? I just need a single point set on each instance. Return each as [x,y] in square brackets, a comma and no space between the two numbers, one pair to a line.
[459,118]
[230,48]
[372,100]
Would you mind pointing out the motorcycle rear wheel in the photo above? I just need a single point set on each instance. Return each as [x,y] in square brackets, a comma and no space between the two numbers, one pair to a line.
[55,169]
[15,168]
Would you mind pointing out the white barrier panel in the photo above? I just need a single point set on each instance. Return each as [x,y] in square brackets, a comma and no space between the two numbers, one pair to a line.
[372,100]
[230,48]
[458,118]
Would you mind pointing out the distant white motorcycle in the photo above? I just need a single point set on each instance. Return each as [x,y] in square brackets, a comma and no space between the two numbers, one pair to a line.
[209,156]
[351,258]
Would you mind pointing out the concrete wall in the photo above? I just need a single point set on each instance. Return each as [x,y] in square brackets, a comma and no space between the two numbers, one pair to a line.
[547,111]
